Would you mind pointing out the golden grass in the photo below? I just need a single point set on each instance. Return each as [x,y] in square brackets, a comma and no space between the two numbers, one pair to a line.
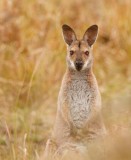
[32,63]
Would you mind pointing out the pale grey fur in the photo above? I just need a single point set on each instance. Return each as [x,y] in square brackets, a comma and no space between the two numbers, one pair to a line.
[80,97]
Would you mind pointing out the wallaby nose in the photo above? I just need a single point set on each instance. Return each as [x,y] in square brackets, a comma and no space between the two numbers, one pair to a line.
[78,62]
[78,65]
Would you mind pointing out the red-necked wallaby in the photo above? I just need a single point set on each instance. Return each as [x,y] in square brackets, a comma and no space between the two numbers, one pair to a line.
[78,116]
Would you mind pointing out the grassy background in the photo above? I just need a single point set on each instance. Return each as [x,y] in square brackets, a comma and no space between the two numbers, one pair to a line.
[32,63]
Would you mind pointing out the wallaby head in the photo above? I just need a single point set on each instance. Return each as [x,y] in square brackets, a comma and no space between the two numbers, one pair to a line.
[79,52]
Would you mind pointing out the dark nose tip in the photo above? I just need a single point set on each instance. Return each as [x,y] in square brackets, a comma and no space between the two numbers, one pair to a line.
[78,63]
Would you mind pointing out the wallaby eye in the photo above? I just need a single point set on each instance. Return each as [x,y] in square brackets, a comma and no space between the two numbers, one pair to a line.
[86,53]
[71,53]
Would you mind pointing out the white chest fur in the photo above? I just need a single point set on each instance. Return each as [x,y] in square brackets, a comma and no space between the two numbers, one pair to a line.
[79,98]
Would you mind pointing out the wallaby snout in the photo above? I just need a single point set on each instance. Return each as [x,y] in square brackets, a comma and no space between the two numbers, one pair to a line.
[78,64]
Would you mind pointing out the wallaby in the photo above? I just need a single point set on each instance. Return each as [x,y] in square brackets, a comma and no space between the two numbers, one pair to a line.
[78,116]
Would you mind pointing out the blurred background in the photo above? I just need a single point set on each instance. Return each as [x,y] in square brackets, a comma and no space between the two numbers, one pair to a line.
[32,64]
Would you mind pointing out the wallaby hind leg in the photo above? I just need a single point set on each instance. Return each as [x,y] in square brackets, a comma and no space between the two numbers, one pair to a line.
[96,127]
[50,149]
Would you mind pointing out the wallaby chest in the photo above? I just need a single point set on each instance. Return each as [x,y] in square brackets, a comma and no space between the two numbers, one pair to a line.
[78,99]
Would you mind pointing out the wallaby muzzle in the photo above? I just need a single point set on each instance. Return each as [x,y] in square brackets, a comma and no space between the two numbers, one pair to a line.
[78,65]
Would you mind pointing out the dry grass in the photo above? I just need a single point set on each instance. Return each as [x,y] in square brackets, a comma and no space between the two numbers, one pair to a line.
[32,62]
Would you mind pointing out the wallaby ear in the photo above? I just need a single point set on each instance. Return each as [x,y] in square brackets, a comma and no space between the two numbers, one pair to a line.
[91,34]
[68,34]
